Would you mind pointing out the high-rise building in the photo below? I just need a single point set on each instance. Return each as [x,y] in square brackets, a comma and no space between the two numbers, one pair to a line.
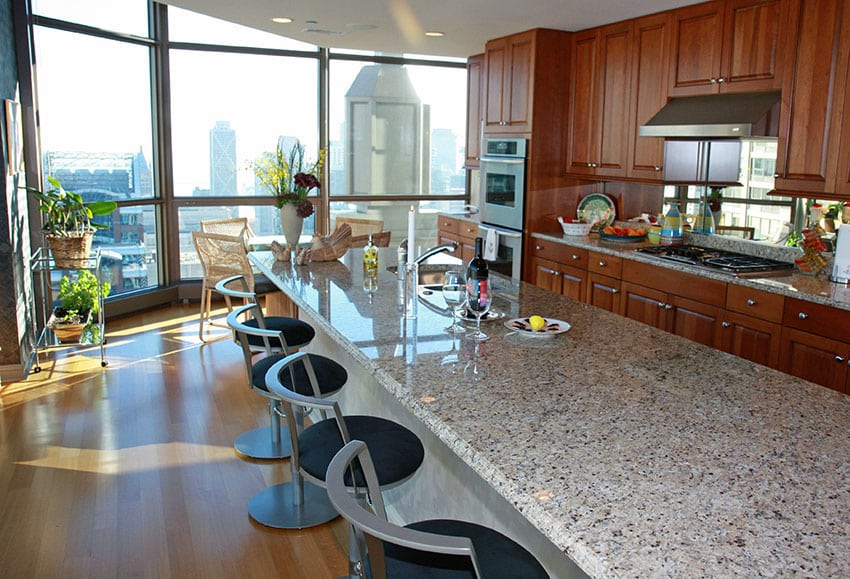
[223,160]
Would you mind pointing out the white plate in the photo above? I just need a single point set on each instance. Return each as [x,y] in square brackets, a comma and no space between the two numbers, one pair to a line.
[553,327]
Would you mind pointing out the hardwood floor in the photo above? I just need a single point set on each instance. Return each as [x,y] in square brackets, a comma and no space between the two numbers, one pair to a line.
[129,471]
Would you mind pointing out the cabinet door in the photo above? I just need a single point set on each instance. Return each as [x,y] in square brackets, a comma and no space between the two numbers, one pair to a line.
[809,96]
[842,178]
[582,146]
[573,282]
[446,237]
[603,292]
[518,98]
[474,108]
[754,32]
[696,49]
[496,60]
[751,338]
[814,358]
[613,78]
[644,304]
[648,93]
[695,321]
[547,274]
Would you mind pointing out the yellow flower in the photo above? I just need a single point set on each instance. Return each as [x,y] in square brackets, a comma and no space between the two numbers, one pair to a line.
[277,172]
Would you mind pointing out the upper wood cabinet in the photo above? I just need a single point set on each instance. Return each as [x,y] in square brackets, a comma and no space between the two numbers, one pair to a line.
[600,101]
[523,72]
[474,108]
[731,46]
[812,97]
[650,58]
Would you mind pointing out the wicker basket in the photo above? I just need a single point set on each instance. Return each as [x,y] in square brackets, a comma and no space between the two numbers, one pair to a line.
[70,252]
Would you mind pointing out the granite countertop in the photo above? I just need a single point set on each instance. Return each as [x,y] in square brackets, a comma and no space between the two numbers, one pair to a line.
[638,453]
[797,285]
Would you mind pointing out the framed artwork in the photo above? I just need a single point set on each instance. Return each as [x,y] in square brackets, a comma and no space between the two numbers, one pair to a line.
[14,138]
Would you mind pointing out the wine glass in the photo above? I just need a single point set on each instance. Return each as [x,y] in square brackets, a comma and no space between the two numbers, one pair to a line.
[478,297]
[454,292]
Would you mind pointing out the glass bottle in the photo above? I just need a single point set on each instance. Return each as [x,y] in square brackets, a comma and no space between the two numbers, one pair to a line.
[672,231]
[370,259]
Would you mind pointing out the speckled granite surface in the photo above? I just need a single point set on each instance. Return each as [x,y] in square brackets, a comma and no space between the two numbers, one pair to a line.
[638,453]
[797,285]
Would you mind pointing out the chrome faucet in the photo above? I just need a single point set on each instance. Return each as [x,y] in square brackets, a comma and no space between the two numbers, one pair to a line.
[447,247]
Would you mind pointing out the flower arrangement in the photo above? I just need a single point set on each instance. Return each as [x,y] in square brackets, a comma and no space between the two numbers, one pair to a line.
[715,198]
[289,177]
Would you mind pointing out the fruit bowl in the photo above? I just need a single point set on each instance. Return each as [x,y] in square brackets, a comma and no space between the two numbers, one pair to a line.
[574,228]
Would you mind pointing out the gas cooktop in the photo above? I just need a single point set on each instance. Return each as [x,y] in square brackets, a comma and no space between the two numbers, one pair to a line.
[720,260]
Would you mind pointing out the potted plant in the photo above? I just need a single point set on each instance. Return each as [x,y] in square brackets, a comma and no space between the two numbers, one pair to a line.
[67,222]
[78,301]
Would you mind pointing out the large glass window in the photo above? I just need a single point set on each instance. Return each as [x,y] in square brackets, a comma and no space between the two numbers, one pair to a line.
[127,16]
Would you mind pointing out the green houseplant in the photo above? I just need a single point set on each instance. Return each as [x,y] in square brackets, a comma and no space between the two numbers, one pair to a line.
[78,300]
[68,222]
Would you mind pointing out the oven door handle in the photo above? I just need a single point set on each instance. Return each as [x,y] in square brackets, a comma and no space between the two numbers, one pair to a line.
[503,160]
[501,232]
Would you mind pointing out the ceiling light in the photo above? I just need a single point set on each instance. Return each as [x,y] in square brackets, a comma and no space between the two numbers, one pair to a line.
[435,34]
[282,20]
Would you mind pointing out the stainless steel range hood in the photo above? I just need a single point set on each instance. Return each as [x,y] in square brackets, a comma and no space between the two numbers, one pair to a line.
[722,115]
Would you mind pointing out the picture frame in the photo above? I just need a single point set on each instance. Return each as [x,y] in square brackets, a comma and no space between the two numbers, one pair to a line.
[14,137]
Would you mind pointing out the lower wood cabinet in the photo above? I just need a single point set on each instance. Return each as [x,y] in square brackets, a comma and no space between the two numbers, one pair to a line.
[559,278]
[750,338]
[815,358]
[603,292]
[459,232]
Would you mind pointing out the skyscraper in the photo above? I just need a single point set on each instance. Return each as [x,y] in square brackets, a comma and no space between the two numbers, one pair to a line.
[223,160]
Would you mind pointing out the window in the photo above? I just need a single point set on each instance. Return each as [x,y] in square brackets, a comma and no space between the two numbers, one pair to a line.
[127,16]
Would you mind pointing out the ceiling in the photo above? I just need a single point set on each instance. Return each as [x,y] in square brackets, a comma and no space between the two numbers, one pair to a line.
[399,26]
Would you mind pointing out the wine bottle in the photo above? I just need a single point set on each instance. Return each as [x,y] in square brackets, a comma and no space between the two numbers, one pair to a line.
[477,274]
[370,259]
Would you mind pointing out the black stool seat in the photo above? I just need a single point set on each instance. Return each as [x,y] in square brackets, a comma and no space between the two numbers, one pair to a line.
[498,555]
[330,375]
[295,332]
[397,452]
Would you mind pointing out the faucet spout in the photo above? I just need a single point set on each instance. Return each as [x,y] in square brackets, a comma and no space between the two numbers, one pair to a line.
[447,247]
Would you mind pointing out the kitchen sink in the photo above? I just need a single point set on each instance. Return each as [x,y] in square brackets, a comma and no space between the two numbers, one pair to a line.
[431,274]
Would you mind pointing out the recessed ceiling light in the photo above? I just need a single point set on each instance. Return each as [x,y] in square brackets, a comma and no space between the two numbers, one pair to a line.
[435,34]
[282,20]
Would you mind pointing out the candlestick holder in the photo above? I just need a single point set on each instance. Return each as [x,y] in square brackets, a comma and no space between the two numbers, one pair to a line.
[411,283]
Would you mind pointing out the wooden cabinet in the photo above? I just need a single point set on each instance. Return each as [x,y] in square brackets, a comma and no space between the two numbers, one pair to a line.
[650,58]
[603,292]
[751,324]
[600,101]
[474,108]
[461,233]
[560,268]
[509,63]
[731,46]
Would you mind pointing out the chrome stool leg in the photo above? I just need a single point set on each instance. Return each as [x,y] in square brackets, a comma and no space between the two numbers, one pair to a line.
[266,442]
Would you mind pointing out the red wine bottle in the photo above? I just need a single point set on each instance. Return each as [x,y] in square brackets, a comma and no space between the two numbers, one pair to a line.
[477,274]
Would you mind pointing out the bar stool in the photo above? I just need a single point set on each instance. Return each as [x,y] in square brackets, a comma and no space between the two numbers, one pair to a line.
[263,442]
[296,505]
[433,548]
[296,333]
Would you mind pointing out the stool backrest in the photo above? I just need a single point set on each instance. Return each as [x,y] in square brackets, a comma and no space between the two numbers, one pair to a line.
[371,526]
[228,288]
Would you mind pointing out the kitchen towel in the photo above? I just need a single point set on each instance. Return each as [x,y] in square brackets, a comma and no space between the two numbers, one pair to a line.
[841,263]
[491,242]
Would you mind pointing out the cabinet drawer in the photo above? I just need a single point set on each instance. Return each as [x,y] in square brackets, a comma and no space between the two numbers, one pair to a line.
[753,302]
[687,285]
[609,265]
[566,254]
[467,229]
[448,224]
[817,319]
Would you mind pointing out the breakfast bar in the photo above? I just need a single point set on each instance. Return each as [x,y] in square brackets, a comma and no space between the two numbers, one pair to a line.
[632,451]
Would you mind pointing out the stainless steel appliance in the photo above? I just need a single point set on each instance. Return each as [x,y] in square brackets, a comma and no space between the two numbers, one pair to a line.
[508,250]
[736,264]
[502,193]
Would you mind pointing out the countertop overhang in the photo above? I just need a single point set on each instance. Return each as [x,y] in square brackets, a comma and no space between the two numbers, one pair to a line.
[636,452]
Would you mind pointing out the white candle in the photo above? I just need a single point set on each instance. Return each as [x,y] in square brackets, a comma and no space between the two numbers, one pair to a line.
[411,227]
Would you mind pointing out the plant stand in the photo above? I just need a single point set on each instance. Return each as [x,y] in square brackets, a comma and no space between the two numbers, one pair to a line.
[46,278]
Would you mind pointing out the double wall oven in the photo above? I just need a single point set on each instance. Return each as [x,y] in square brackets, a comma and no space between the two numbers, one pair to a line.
[501,204]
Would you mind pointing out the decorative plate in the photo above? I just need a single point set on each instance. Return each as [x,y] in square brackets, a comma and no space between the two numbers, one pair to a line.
[622,238]
[468,316]
[598,209]
[553,327]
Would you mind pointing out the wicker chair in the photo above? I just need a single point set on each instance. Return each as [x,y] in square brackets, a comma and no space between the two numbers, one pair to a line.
[236,227]
[221,256]
[360,226]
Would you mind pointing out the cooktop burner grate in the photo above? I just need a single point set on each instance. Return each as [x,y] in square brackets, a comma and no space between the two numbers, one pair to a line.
[718,259]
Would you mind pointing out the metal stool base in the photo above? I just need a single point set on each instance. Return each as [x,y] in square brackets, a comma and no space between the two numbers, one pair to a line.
[274,507]
[258,443]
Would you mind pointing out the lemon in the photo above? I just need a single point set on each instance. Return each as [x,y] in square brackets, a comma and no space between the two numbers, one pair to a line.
[536,323]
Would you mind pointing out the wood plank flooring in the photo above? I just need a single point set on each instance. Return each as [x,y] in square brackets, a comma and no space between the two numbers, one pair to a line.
[129,471]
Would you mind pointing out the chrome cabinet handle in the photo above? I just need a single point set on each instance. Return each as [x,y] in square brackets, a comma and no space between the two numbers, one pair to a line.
[615,291]
[839,359]
[668,307]
[712,81]
[657,168]
[661,304]
[602,264]
[751,302]
[469,230]
[538,247]
[725,324]
[575,257]
[721,80]
[803,315]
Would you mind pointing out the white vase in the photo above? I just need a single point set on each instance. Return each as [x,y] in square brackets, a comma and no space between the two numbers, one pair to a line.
[291,224]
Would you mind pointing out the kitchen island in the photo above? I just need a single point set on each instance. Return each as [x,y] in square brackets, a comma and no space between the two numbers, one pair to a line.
[633,451]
